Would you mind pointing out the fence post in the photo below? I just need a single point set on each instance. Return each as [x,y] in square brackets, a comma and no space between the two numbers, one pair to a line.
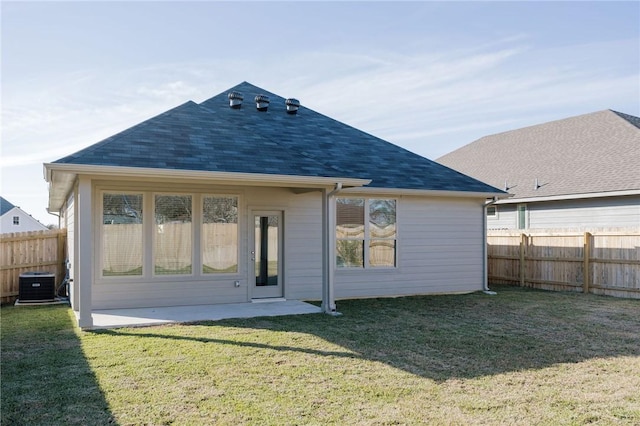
[523,243]
[587,253]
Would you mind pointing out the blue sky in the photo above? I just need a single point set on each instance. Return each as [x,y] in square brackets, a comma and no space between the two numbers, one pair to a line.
[428,76]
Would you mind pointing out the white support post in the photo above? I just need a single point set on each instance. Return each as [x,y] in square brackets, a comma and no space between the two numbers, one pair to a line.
[331,264]
[328,245]
[84,252]
[325,253]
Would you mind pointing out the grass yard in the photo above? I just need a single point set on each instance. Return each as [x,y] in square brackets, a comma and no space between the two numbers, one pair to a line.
[521,357]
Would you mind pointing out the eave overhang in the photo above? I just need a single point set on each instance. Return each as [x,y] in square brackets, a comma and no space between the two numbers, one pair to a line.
[588,195]
[61,178]
[425,192]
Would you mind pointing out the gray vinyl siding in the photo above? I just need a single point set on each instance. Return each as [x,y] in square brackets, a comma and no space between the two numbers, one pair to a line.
[606,212]
[610,212]
[439,251]
[506,217]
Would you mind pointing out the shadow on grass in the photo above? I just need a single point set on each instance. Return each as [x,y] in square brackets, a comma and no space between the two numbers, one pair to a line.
[46,379]
[462,336]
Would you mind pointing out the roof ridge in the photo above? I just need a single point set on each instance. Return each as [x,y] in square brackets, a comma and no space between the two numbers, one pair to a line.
[632,119]
[544,123]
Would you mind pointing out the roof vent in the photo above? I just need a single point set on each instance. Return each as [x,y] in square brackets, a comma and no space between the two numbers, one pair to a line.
[262,102]
[292,105]
[235,100]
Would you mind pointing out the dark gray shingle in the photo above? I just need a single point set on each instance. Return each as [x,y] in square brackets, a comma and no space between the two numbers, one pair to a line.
[211,136]
[5,206]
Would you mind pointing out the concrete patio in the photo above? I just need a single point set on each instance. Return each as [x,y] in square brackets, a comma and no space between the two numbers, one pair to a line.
[140,317]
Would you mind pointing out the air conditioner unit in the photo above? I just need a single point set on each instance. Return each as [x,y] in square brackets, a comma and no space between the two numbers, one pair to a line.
[37,287]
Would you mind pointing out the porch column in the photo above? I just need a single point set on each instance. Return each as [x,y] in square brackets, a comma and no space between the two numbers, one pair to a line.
[328,219]
[84,253]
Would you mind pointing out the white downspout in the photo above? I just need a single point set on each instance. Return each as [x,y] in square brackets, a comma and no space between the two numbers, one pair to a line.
[328,297]
[485,261]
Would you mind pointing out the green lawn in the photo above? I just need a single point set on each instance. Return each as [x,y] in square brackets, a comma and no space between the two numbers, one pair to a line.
[521,357]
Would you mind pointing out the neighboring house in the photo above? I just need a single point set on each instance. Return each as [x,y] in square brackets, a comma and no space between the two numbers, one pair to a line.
[14,219]
[247,196]
[581,172]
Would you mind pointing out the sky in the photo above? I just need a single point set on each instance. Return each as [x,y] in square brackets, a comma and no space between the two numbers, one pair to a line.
[428,76]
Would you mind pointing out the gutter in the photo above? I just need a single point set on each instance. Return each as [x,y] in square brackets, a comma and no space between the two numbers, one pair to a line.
[485,260]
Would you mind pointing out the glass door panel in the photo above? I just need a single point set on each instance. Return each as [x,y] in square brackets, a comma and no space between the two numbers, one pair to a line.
[267,243]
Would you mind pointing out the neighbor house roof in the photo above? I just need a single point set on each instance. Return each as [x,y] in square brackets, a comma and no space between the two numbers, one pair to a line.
[593,155]
[5,206]
[212,137]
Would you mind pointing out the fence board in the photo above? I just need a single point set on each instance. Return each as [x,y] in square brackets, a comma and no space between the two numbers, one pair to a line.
[599,262]
[29,251]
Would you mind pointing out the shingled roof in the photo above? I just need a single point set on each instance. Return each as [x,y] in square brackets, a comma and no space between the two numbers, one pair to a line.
[211,136]
[5,206]
[593,153]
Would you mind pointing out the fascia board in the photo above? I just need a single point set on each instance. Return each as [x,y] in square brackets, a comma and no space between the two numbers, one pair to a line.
[424,192]
[571,197]
[254,178]
[70,171]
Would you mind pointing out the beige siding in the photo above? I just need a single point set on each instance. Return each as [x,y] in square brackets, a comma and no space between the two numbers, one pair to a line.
[439,251]
[302,246]
[69,224]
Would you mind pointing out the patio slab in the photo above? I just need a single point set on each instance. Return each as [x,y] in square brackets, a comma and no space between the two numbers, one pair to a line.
[141,317]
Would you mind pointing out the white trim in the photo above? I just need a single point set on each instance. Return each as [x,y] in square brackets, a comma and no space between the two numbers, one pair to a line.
[366,240]
[199,233]
[495,216]
[525,214]
[84,252]
[251,277]
[195,216]
[395,192]
[99,248]
[570,197]
[65,174]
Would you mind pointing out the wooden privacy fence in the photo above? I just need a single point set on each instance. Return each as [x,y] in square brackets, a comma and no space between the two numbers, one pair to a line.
[30,251]
[599,262]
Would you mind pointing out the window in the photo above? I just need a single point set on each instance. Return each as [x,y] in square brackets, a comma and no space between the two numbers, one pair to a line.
[366,233]
[16,220]
[122,228]
[350,232]
[522,216]
[492,211]
[382,233]
[219,234]
[173,235]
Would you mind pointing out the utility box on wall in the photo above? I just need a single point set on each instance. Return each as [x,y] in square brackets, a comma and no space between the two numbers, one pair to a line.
[37,287]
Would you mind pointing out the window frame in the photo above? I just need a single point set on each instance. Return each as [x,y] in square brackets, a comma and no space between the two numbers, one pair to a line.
[522,216]
[100,269]
[202,242]
[196,201]
[367,236]
[16,220]
[495,212]
[148,193]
